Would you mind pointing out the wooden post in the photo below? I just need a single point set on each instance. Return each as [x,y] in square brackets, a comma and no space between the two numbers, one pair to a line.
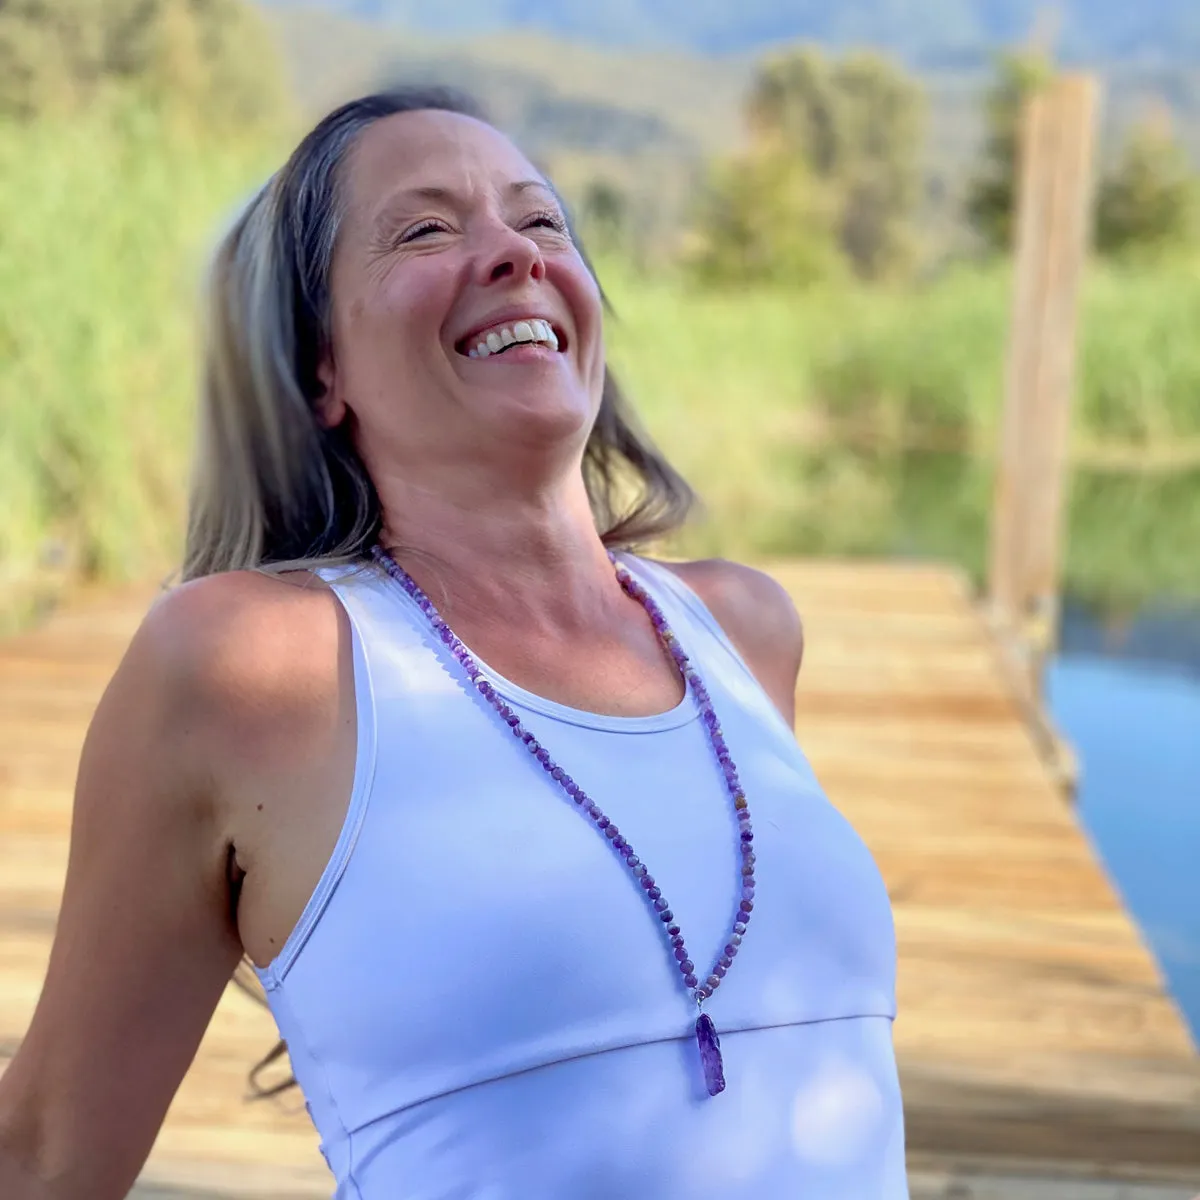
[1053,226]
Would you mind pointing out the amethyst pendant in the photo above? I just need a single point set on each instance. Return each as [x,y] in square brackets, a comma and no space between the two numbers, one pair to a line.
[710,1055]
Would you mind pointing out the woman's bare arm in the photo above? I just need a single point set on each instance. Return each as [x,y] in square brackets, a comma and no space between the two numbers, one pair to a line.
[146,938]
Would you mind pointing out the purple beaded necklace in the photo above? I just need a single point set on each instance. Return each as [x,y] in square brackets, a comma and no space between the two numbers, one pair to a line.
[706,1033]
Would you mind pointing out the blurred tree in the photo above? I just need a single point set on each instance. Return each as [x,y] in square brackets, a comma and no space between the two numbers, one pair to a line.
[604,214]
[1149,200]
[214,58]
[881,114]
[767,217]
[48,53]
[841,142]
[793,107]
[991,193]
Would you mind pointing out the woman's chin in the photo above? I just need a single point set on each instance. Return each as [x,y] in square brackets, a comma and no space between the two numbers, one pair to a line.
[537,414]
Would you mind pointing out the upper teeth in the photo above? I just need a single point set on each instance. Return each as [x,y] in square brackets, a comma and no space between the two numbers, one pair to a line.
[533,330]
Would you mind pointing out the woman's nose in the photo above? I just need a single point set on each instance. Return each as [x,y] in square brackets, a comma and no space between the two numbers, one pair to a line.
[510,255]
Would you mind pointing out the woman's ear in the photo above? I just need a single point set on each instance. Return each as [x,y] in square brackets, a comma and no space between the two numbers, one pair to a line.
[330,406]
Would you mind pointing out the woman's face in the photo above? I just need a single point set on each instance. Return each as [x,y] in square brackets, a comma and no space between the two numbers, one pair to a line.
[464,320]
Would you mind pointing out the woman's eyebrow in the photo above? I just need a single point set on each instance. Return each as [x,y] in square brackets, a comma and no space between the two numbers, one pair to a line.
[524,185]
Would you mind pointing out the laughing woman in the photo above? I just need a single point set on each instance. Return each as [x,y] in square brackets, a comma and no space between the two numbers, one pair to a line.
[509,819]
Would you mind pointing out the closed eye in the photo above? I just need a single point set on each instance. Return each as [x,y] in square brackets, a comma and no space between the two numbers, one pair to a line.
[546,220]
[543,220]
[419,230]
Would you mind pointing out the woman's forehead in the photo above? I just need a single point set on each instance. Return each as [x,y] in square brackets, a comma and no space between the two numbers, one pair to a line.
[431,151]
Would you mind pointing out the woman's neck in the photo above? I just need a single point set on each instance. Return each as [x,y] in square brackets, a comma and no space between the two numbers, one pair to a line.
[534,558]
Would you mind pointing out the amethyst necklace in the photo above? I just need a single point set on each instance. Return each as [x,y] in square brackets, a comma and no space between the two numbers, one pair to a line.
[706,1034]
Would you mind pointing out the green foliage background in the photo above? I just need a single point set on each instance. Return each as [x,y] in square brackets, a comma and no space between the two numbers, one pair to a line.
[212,58]
[822,399]
[128,130]
[851,419]
[831,177]
[104,221]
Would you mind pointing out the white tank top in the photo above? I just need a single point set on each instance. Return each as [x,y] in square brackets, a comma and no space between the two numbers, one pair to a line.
[478,1001]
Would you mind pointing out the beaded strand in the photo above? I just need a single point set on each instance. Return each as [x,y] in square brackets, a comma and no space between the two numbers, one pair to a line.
[700,991]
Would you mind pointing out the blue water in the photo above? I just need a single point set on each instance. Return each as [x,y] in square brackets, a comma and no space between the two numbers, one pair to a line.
[1129,702]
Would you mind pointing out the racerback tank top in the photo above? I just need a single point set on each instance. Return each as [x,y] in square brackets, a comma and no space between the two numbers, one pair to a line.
[479,1003]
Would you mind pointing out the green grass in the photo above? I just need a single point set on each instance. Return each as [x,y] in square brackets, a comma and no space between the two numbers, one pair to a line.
[925,360]
[859,421]
[934,359]
[105,222]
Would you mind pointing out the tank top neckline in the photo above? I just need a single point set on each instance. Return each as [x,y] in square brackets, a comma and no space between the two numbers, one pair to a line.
[685,712]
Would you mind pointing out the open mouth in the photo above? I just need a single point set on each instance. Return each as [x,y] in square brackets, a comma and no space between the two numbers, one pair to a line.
[532,331]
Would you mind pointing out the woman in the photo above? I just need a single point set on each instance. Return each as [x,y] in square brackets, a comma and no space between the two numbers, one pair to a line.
[412,770]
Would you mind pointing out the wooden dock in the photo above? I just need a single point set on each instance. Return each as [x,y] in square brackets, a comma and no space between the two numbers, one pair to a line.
[1040,1055]
[1035,1036]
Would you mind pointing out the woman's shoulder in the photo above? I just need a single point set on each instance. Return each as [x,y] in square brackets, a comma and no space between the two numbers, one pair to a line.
[239,622]
[235,655]
[759,617]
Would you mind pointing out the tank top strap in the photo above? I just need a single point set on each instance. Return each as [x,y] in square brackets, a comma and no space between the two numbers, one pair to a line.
[687,614]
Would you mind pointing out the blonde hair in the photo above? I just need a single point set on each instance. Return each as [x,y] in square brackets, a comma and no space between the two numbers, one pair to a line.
[272,487]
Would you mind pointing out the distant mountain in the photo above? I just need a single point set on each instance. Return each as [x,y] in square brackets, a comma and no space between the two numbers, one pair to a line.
[564,94]
[644,115]
[926,33]
[550,93]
